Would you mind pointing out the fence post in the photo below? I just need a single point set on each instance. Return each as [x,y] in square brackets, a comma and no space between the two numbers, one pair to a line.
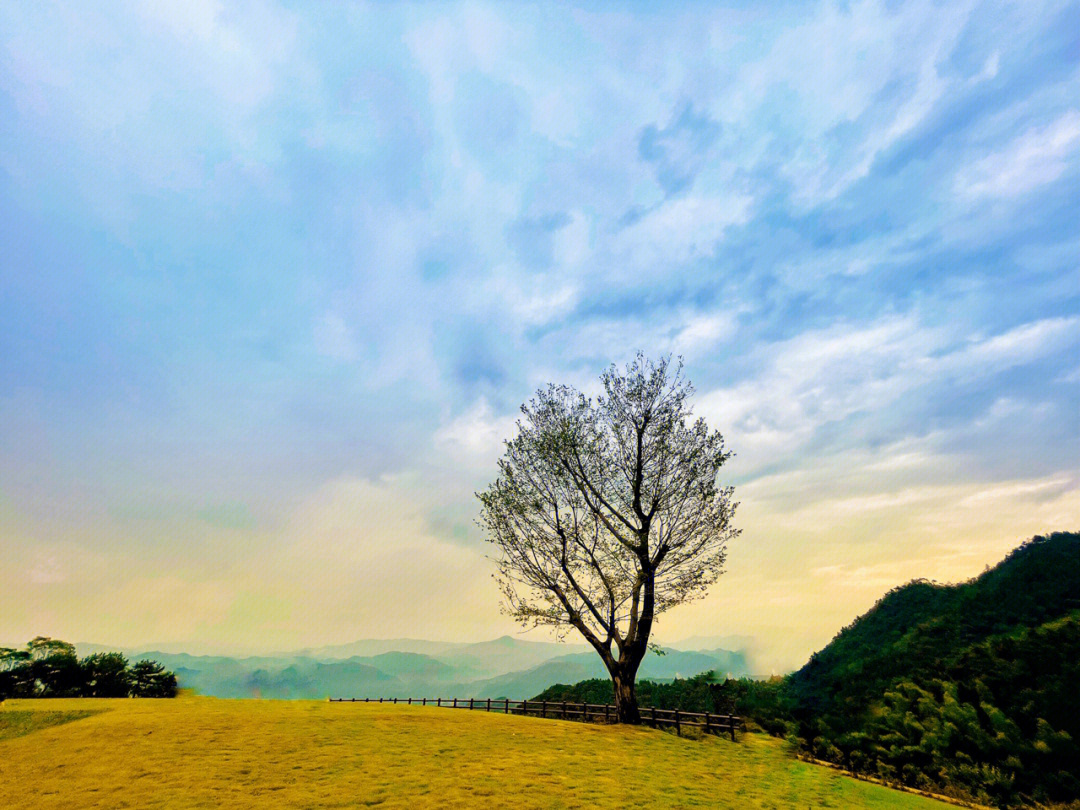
[731,725]
[395,701]
[525,708]
[564,710]
[585,712]
[543,709]
[708,721]
[455,703]
[470,704]
[423,701]
[654,717]
[678,728]
[607,712]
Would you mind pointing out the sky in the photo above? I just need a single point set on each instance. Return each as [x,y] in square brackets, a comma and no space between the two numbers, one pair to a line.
[276,278]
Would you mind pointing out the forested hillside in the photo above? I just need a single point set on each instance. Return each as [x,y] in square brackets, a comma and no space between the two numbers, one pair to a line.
[968,688]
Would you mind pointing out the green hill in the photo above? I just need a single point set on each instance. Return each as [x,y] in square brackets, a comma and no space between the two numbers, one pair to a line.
[967,688]
[917,629]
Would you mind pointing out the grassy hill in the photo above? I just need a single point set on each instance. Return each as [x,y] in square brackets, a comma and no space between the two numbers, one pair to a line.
[203,752]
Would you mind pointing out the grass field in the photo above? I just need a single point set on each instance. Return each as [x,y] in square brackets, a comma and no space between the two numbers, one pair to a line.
[202,752]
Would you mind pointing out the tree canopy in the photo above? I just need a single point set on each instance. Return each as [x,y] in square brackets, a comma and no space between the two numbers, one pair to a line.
[607,512]
[48,667]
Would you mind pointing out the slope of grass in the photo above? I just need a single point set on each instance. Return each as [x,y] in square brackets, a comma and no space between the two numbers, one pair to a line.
[20,722]
[203,752]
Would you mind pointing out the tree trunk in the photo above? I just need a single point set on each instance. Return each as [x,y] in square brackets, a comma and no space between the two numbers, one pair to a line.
[626,706]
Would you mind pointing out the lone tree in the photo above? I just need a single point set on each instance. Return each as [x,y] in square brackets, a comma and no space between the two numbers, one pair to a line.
[608,512]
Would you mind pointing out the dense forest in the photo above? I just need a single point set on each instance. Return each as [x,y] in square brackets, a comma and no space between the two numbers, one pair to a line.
[49,668]
[968,690]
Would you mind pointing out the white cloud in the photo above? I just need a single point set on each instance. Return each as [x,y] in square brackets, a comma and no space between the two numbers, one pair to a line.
[571,246]
[873,48]
[684,331]
[828,375]
[1017,346]
[333,337]
[530,300]
[1040,156]
[681,230]
[1036,490]
[475,437]
[701,332]
[128,101]
[990,68]
[47,571]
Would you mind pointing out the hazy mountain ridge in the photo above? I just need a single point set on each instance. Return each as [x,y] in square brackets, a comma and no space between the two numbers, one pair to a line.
[502,667]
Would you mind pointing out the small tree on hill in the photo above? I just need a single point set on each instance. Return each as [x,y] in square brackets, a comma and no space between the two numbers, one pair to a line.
[608,513]
[150,679]
[107,675]
[42,647]
[48,668]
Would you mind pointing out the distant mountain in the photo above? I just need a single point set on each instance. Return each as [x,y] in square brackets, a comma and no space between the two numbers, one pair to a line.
[504,655]
[484,656]
[705,643]
[532,681]
[502,667]
[570,669]
[374,646]
[410,666]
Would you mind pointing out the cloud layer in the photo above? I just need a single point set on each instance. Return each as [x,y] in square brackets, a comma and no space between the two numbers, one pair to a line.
[276,280]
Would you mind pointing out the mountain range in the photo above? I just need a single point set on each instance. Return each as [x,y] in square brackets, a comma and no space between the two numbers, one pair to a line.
[403,668]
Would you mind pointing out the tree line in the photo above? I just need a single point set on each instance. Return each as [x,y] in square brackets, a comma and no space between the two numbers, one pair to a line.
[49,668]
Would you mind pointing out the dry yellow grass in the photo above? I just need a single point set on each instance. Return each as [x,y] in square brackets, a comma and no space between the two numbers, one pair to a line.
[202,752]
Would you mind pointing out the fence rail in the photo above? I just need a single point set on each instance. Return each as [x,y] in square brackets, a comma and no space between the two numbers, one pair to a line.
[562,710]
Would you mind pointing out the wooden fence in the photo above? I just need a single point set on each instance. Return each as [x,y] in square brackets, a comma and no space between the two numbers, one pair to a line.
[708,722]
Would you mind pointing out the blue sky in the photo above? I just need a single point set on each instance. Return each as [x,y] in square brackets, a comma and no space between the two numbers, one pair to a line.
[276,278]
